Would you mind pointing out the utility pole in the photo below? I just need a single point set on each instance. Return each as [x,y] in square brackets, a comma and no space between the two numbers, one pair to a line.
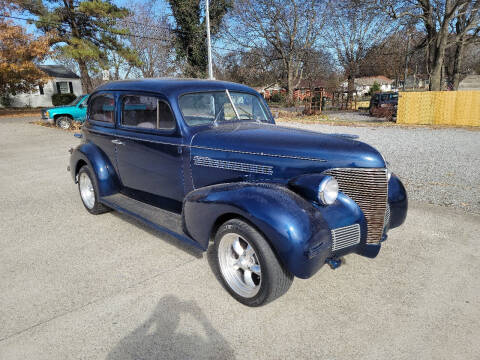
[405,74]
[209,45]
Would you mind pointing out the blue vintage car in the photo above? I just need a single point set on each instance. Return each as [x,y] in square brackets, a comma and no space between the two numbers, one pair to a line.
[205,162]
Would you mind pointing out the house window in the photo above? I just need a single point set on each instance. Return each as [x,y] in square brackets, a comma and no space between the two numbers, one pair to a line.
[64,87]
[40,89]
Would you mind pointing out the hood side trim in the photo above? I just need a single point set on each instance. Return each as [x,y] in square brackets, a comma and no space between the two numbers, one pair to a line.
[257,153]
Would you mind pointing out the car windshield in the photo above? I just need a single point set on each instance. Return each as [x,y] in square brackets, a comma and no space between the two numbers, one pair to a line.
[76,101]
[219,106]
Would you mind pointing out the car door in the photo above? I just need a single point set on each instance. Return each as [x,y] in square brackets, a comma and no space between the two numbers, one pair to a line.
[149,150]
[101,124]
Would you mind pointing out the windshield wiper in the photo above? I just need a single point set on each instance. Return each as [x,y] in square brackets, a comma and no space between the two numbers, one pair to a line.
[233,105]
[250,116]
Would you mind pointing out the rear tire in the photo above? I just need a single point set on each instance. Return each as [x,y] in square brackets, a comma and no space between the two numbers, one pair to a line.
[88,189]
[247,266]
[63,122]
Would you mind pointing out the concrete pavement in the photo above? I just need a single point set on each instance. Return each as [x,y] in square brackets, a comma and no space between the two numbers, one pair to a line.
[78,286]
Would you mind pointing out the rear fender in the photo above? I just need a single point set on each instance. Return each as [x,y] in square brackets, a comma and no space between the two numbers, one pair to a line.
[291,224]
[107,179]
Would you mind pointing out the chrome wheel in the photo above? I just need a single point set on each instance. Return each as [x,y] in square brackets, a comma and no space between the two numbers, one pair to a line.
[239,265]
[63,123]
[86,190]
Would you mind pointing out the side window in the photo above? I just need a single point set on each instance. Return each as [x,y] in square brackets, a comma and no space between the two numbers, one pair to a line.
[146,112]
[102,108]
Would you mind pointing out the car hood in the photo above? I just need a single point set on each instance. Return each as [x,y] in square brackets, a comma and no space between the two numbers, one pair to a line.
[275,141]
[61,107]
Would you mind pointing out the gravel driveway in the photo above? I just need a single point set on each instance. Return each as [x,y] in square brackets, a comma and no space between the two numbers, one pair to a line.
[78,286]
[437,166]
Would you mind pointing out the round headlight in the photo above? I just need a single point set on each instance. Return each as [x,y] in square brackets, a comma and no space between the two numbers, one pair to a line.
[327,190]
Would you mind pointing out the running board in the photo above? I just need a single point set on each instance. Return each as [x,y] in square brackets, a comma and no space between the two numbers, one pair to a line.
[157,218]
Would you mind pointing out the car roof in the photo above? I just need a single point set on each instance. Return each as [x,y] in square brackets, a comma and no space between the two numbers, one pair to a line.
[170,85]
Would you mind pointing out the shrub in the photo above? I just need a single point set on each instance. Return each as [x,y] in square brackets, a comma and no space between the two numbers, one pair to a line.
[62,99]
[277,97]
[374,88]
[6,100]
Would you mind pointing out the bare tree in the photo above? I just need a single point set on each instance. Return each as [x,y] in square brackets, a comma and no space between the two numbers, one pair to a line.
[467,32]
[353,29]
[289,28]
[438,17]
[152,40]
[396,57]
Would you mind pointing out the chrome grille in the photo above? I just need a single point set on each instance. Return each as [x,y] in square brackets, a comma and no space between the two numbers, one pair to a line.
[387,216]
[345,236]
[368,188]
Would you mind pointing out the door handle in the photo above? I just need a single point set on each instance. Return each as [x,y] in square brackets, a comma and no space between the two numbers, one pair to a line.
[118,142]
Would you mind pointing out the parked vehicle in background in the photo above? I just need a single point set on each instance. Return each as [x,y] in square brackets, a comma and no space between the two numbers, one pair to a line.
[205,162]
[64,116]
[384,104]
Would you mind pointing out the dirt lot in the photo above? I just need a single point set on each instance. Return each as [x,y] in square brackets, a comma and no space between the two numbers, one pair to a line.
[74,285]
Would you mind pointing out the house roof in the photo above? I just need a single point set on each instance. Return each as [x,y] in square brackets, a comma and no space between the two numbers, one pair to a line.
[311,84]
[471,82]
[274,86]
[58,71]
[370,80]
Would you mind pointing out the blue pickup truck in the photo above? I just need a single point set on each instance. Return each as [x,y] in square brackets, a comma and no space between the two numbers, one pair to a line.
[63,116]
[205,162]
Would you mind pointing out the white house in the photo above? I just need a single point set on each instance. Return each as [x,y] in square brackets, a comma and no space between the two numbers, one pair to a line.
[61,81]
[363,84]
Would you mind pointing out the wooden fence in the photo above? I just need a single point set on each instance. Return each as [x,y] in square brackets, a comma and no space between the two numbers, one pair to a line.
[457,108]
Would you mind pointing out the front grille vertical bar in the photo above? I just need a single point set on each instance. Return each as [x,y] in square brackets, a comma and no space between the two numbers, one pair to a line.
[368,187]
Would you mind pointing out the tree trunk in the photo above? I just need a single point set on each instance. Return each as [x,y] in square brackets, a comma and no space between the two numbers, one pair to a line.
[290,85]
[436,77]
[350,89]
[437,64]
[85,77]
[457,65]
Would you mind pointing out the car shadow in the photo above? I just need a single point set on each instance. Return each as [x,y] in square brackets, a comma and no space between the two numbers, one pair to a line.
[160,337]
[160,234]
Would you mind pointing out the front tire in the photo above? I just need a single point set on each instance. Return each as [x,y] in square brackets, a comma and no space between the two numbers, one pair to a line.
[247,265]
[88,189]
[63,122]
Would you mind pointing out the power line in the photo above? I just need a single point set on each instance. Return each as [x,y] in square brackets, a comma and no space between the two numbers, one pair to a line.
[155,38]
[54,23]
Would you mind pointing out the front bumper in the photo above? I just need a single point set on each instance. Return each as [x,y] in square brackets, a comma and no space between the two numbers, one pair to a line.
[44,116]
[346,221]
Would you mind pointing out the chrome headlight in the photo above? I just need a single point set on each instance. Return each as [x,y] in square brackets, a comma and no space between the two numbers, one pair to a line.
[327,190]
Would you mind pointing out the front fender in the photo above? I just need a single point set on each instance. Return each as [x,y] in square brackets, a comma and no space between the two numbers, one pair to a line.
[398,201]
[291,224]
[107,179]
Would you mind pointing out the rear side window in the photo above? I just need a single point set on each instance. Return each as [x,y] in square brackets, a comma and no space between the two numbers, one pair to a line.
[146,112]
[102,108]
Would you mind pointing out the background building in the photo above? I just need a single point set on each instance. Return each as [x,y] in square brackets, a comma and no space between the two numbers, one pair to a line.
[62,81]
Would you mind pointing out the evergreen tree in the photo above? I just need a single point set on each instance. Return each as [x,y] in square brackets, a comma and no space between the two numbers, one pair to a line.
[84,30]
